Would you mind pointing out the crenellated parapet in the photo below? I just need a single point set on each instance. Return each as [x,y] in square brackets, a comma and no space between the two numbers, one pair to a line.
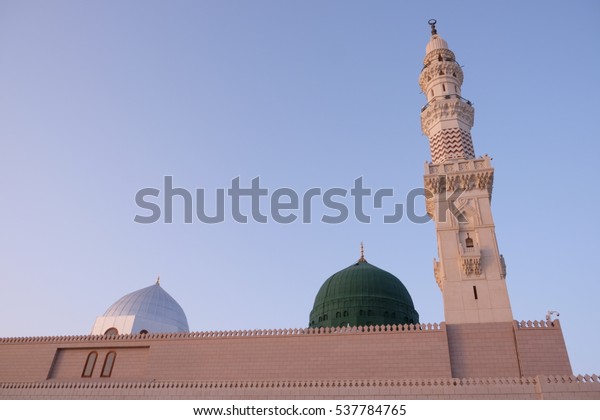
[508,388]
[484,162]
[463,175]
[286,332]
[443,180]
[400,328]
[537,324]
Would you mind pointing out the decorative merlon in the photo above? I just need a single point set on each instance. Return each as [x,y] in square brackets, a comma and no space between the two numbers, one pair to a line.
[538,324]
[502,267]
[439,276]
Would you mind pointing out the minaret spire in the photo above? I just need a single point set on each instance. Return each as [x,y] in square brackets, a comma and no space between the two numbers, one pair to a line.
[362,253]
[432,23]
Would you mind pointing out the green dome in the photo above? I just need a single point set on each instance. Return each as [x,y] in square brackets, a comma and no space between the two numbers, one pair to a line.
[362,294]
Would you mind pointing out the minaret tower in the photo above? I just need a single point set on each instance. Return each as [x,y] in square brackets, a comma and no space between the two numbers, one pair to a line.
[470,271]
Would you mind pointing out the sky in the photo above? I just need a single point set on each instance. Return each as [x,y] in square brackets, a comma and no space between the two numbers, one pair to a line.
[99,100]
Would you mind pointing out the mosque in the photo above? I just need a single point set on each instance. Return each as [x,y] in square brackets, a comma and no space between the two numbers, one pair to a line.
[363,339]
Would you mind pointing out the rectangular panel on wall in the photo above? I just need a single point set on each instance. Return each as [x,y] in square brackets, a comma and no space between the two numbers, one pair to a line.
[99,362]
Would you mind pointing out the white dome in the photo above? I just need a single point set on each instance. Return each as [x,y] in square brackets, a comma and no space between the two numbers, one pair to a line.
[150,309]
[435,43]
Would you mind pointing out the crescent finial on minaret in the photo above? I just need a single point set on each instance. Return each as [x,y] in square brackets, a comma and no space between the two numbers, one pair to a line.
[158,280]
[432,23]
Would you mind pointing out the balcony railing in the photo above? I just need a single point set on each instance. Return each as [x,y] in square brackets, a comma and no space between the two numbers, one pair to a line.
[449,96]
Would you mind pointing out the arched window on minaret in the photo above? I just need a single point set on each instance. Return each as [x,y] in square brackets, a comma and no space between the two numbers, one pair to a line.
[469,241]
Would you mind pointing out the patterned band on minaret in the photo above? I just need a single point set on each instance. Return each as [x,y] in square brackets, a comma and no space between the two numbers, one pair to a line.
[451,143]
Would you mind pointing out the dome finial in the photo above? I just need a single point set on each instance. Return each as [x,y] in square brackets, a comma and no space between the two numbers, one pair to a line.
[362,253]
[158,280]
[432,23]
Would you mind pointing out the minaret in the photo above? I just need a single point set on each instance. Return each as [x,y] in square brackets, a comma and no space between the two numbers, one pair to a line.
[470,271]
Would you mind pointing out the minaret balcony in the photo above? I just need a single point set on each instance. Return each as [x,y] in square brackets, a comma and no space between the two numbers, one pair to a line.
[449,96]
[441,113]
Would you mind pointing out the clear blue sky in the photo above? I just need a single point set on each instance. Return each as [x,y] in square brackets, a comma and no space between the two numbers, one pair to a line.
[101,99]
